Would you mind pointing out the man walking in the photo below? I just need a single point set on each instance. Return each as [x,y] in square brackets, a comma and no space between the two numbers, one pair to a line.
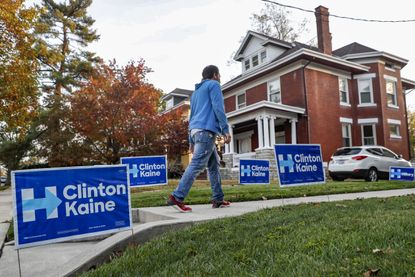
[207,120]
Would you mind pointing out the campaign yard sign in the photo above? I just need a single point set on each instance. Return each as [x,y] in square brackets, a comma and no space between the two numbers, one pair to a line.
[299,164]
[253,171]
[401,173]
[147,170]
[57,204]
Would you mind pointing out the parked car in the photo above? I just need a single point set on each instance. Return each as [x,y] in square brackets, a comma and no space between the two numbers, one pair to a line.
[364,162]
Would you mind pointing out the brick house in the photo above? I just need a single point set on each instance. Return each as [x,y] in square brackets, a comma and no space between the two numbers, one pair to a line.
[179,99]
[295,93]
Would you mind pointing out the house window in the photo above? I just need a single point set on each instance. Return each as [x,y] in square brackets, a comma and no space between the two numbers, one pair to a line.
[274,91]
[391,93]
[365,91]
[368,134]
[241,100]
[263,56]
[394,131]
[346,134]
[389,66]
[169,103]
[255,61]
[343,90]
[247,64]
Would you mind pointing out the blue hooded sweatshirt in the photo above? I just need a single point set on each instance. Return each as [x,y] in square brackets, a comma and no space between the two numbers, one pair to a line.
[207,109]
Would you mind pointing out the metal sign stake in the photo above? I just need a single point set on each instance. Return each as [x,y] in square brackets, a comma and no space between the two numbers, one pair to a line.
[18,261]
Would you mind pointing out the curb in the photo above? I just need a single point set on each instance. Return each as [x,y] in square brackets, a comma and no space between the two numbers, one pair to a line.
[118,242]
[4,228]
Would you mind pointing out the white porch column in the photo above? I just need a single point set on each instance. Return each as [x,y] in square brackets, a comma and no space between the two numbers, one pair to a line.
[226,148]
[293,131]
[231,144]
[260,133]
[272,128]
[266,132]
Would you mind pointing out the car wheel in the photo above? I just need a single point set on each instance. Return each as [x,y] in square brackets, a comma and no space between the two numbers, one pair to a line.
[335,178]
[372,175]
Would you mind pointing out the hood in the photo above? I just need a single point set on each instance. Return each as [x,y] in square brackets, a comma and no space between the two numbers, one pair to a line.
[200,84]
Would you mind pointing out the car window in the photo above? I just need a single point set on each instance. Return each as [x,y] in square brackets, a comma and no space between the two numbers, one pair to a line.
[388,153]
[375,151]
[347,151]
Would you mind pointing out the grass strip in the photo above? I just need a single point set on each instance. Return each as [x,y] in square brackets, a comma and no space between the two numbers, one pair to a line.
[348,238]
[201,193]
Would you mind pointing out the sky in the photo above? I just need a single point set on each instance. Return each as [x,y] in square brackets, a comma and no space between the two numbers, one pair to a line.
[178,38]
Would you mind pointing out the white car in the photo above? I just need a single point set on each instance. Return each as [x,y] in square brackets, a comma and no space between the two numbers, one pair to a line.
[364,162]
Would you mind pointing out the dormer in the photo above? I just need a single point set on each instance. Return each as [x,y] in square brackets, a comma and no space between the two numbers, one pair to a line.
[258,49]
[176,97]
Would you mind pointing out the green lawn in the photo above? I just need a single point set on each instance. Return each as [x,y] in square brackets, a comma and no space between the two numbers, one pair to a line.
[201,193]
[346,238]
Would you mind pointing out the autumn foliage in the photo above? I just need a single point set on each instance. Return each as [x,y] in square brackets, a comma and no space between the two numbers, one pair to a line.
[117,114]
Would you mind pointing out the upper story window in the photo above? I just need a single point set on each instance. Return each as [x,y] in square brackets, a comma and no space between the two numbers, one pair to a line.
[389,66]
[344,91]
[247,64]
[263,56]
[169,103]
[241,100]
[391,94]
[365,91]
[274,91]
[255,60]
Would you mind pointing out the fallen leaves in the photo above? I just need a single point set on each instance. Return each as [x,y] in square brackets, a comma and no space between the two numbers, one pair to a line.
[371,272]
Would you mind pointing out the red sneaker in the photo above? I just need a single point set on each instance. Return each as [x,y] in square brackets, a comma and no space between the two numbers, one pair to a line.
[178,205]
[220,204]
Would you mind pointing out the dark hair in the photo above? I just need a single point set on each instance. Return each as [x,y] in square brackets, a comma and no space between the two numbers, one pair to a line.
[209,71]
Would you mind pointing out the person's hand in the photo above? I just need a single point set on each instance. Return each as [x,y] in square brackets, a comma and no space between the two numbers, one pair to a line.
[191,148]
[227,138]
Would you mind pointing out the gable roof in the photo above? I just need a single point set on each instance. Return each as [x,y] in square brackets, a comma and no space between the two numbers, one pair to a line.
[267,40]
[296,51]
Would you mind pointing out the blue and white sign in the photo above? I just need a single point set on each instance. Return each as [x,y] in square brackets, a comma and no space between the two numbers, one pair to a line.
[147,170]
[401,173]
[57,204]
[253,171]
[299,164]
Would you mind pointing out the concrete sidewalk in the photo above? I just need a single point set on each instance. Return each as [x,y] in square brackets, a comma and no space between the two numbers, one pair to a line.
[72,258]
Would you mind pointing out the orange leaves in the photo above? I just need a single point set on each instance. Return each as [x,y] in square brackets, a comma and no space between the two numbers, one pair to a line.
[117,111]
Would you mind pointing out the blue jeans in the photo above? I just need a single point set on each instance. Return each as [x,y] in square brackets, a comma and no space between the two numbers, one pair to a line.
[204,154]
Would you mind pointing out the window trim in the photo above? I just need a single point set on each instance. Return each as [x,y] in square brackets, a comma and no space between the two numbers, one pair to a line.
[255,54]
[373,130]
[249,64]
[349,129]
[170,103]
[393,136]
[372,102]
[397,123]
[263,60]
[236,100]
[347,103]
[394,80]
[346,120]
[269,93]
